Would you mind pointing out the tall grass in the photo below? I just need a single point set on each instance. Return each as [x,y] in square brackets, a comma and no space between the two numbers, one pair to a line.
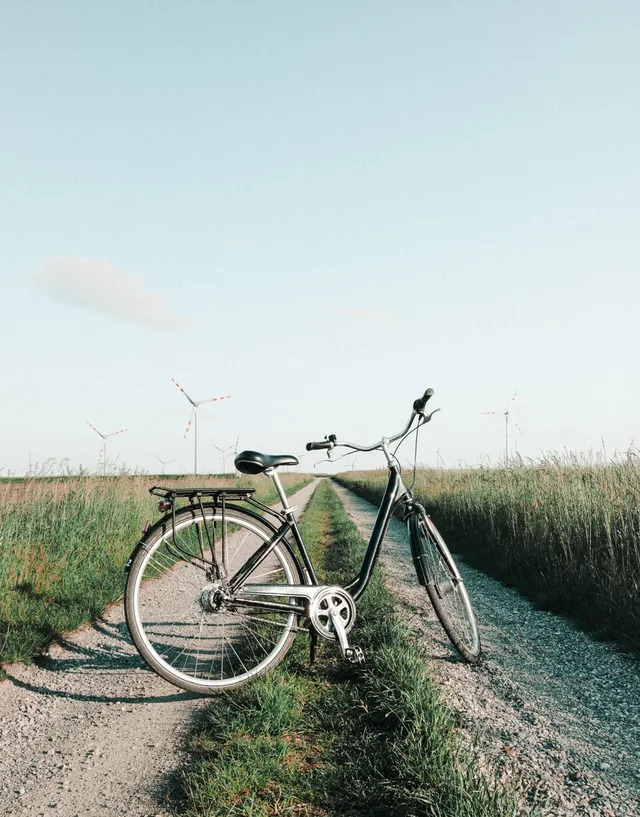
[63,544]
[565,533]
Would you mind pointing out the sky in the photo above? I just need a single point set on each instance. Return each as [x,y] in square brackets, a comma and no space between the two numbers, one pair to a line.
[319,209]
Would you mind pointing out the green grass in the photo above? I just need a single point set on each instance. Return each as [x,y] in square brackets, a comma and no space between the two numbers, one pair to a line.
[566,534]
[254,755]
[336,739]
[63,544]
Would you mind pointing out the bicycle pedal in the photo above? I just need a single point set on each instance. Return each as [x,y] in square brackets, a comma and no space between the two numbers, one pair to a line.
[354,655]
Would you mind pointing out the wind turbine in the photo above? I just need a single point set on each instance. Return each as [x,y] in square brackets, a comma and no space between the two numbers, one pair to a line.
[194,417]
[163,462]
[105,437]
[224,452]
[507,418]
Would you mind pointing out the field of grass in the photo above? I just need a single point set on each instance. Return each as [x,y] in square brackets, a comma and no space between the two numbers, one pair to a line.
[566,534]
[63,545]
[333,739]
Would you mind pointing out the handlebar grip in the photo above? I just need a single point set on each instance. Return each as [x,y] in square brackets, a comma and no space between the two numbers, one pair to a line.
[318,446]
[421,402]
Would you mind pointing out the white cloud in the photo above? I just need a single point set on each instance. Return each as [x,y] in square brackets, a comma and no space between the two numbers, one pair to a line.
[103,288]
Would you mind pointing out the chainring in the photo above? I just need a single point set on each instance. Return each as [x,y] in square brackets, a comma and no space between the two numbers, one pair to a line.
[340,601]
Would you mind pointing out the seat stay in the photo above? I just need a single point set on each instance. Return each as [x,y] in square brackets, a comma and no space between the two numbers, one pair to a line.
[287,516]
[256,559]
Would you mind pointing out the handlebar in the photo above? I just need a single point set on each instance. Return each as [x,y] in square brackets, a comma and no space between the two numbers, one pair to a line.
[329,441]
[418,409]
[421,402]
[319,446]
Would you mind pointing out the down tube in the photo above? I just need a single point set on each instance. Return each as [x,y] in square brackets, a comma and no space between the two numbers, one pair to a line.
[357,586]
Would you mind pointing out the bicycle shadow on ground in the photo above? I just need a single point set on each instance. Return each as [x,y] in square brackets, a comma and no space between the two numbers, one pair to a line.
[73,665]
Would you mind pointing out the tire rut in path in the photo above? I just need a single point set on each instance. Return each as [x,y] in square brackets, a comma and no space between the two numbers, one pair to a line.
[548,710]
[92,731]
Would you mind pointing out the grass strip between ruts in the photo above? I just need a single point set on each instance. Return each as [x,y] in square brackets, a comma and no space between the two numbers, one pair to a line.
[333,739]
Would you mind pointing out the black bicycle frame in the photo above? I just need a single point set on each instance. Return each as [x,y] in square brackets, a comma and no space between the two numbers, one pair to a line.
[357,585]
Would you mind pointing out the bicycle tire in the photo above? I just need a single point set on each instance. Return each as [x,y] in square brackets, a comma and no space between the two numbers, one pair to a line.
[438,572]
[182,639]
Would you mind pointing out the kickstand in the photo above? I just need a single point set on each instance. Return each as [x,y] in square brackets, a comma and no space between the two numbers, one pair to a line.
[313,643]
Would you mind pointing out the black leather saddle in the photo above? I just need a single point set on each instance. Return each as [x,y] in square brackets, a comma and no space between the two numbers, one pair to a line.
[253,462]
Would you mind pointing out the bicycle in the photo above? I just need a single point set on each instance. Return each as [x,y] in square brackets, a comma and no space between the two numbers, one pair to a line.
[217,589]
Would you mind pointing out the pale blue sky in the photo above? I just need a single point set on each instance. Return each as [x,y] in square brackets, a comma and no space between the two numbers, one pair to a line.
[331,207]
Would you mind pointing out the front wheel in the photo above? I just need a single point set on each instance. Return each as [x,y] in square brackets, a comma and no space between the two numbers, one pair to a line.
[180,619]
[437,570]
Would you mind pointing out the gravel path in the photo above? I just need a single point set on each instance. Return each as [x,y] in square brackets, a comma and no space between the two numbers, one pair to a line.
[92,731]
[548,710]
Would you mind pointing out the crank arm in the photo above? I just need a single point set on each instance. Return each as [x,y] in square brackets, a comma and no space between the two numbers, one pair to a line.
[338,626]
[353,655]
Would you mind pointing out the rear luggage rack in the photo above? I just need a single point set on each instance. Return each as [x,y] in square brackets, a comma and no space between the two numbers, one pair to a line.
[197,493]
[215,570]
[216,497]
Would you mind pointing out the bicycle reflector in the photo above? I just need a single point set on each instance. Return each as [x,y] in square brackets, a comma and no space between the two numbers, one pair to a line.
[164,505]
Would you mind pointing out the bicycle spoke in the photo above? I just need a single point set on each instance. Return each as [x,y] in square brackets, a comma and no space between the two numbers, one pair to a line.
[256,640]
[268,573]
[246,625]
[263,620]
[237,656]
[237,550]
[195,669]
[222,659]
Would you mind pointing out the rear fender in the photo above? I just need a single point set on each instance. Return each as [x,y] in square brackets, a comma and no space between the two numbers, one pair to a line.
[165,524]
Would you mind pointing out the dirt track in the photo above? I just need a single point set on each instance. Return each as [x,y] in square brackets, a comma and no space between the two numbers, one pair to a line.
[90,730]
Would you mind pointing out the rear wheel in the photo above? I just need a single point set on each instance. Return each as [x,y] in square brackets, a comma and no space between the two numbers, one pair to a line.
[437,570]
[182,621]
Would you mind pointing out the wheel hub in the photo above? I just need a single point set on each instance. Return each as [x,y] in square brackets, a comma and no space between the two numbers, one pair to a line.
[212,598]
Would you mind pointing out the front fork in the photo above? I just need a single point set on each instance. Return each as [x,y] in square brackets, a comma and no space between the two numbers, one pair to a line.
[413,508]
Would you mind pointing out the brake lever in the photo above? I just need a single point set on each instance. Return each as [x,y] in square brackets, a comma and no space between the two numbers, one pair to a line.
[427,417]
[315,464]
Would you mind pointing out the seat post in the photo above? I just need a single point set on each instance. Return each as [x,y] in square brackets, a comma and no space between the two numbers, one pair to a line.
[276,479]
